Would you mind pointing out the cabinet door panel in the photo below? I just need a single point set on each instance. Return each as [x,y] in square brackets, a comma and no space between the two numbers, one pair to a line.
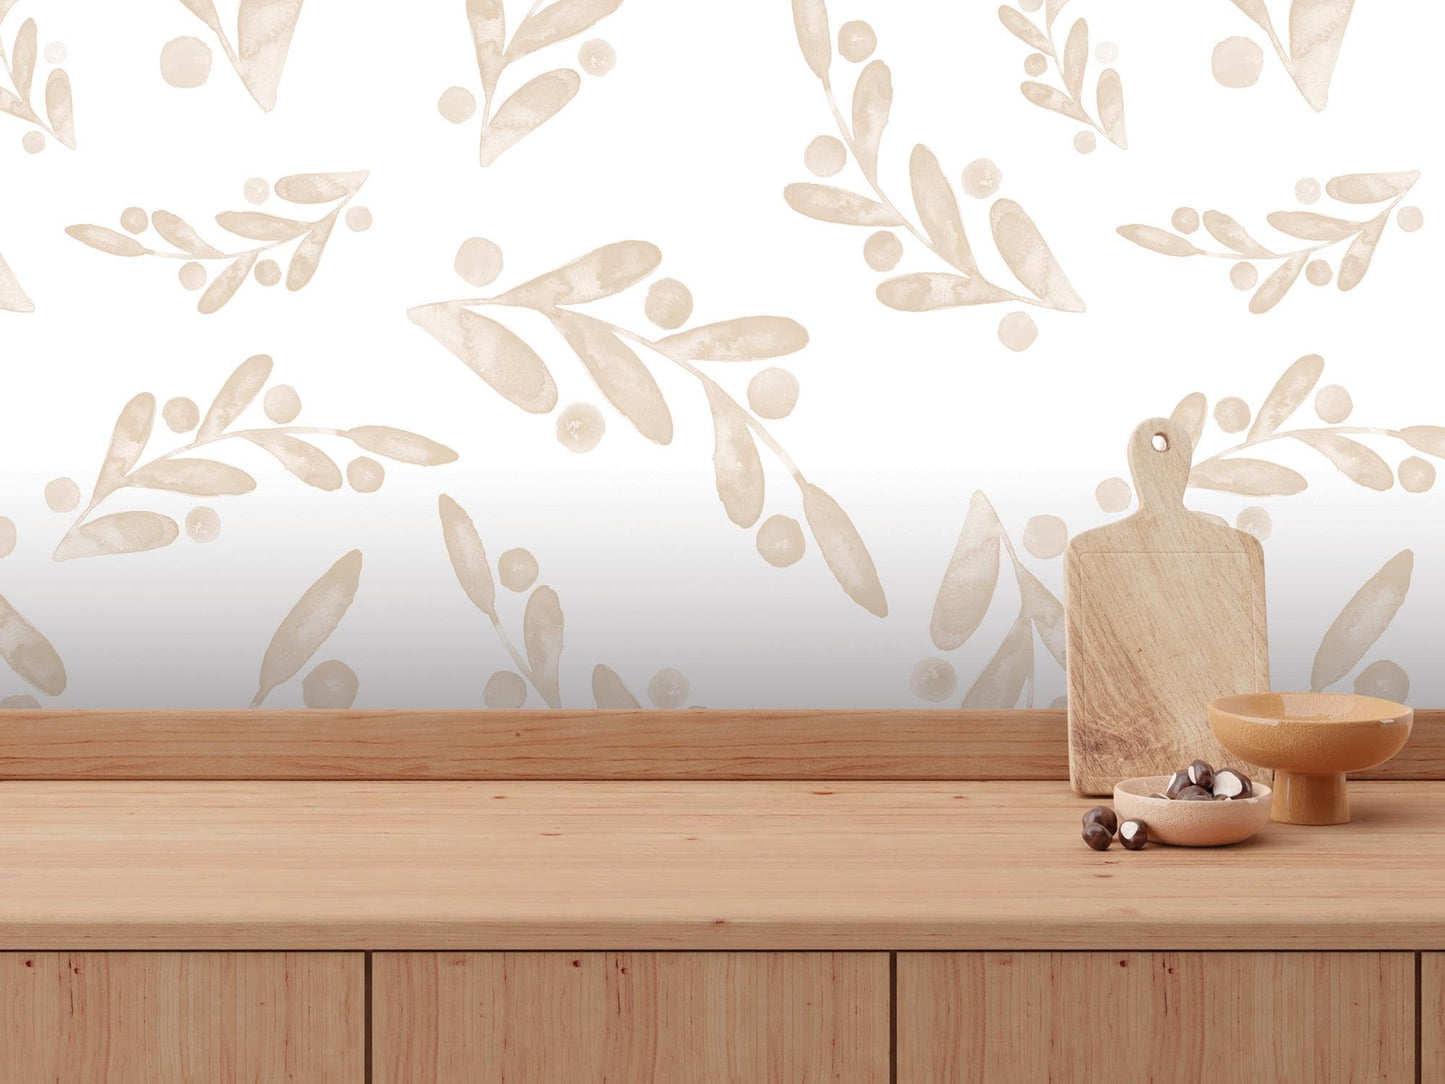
[1026,1017]
[560,1018]
[1432,1017]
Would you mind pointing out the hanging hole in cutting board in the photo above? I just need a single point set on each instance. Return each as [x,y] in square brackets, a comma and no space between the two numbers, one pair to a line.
[1160,441]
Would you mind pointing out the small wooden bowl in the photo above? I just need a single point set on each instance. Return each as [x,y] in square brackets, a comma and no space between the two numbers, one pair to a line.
[1190,824]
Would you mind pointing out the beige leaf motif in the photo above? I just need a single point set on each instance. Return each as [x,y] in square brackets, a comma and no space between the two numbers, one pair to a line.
[12,297]
[307,257]
[810,20]
[1309,226]
[530,106]
[236,394]
[224,286]
[117,244]
[306,627]
[1230,233]
[1054,100]
[468,556]
[1357,462]
[1277,285]
[1027,255]
[736,462]
[872,100]
[1003,679]
[205,11]
[925,291]
[1287,394]
[970,578]
[1157,240]
[843,550]
[487,20]
[319,187]
[1370,187]
[609,691]
[493,352]
[1191,413]
[829,204]
[938,210]
[1247,477]
[600,273]
[306,461]
[1316,32]
[1110,97]
[556,22]
[1046,612]
[618,373]
[1076,57]
[261,227]
[1020,27]
[1363,620]
[127,442]
[400,445]
[1052,9]
[748,338]
[59,107]
[180,233]
[1356,260]
[542,626]
[22,64]
[198,477]
[120,532]
[263,36]
[1429,439]
[28,652]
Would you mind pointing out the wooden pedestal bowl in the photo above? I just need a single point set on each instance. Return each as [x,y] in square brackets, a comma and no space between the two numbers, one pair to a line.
[1310,740]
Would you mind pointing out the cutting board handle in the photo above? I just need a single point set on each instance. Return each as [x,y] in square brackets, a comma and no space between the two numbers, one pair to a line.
[1160,453]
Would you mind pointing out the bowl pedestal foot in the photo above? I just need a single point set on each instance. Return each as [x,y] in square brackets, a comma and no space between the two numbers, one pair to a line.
[1309,799]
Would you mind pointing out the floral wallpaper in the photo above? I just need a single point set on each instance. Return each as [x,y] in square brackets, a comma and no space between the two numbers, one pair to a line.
[628,353]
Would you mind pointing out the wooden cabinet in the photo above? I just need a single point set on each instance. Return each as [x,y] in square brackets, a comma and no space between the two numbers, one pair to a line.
[1285,1017]
[182,1017]
[560,1018]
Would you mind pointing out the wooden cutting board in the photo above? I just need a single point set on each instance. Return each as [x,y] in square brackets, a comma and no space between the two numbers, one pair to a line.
[1164,611]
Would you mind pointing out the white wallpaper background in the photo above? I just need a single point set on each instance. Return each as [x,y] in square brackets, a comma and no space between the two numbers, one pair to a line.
[687,144]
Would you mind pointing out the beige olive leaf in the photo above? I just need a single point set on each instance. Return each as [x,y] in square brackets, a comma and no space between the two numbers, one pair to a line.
[236,394]
[307,257]
[22,64]
[1429,439]
[1357,257]
[59,107]
[1191,412]
[1357,462]
[618,373]
[305,628]
[198,477]
[303,459]
[180,233]
[925,291]
[127,442]
[1157,240]
[488,23]
[1052,9]
[529,107]
[609,691]
[401,445]
[1231,234]
[1370,187]
[1047,613]
[9,103]
[747,338]
[1277,285]
[1054,100]
[810,20]
[12,297]
[1002,680]
[1309,226]
[542,627]
[1110,96]
[970,578]
[261,227]
[872,100]
[29,653]
[468,556]
[120,532]
[938,210]
[263,36]
[1076,57]
[493,352]
[1027,255]
[224,286]
[1255,9]
[1019,26]
[736,464]
[1363,620]
[600,273]
[206,12]
[1289,391]
[1316,32]
[556,22]
[319,187]
[117,244]
[843,550]
[829,204]
[1247,477]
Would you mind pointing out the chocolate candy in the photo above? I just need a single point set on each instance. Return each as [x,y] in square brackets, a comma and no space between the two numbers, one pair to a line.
[1229,783]
[1102,814]
[1177,782]
[1097,836]
[1133,835]
[1194,794]
[1200,774]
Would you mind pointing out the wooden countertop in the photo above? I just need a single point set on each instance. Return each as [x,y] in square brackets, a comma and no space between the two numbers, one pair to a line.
[724,865]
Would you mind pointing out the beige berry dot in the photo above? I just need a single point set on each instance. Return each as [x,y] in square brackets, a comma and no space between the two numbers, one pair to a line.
[1017,331]
[192,275]
[668,303]
[268,272]
[1307,190]
[1385,679]
[1045,536]
[256,190]
[1036,64]
[202,524]
[1243,276]
[773,393]
[1236,63]
[780,541]
[134,219]
[596,57]
[358,219]
[1232,413]
[185,62]
[19,702]
[825,156]
[856,41]
[1410,219]
[1113,495]
[933,680]
[180,415]
[1333,404]
[55,52]
[1084,142]
[33,142]
[457,104]
[981,178]
[1031,5]
[1107,52]
[1185,219]
[504,690]
[1254,520]
[62,494]
[1319,273]
[365,474]
[1416,474]
[580,427]
[478,261]
[517,569]
[668,688]
[882,251]
[282,404]
[331,684]
[7,536]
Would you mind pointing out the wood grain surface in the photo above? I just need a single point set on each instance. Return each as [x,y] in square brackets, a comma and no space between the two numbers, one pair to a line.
[737,865]
[1164,611]
[561,1018]
[1432,1018]
[1164,1017]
